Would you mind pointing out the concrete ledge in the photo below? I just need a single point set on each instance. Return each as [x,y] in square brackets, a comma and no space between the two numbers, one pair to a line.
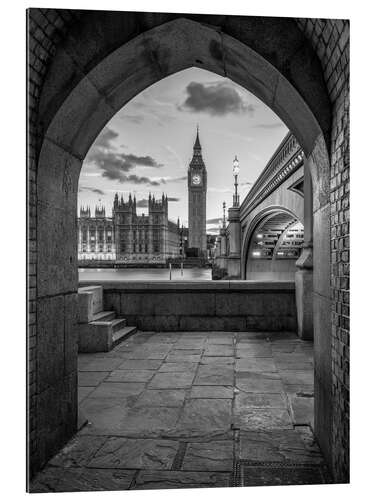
[203,286]
[203,305]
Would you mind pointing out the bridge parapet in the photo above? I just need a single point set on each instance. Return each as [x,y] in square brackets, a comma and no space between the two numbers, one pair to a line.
[287,158]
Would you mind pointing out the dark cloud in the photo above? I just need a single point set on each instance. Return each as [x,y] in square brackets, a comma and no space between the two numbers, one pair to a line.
[173,199]
[246,183]
[115,166]
[105,138]
[92,190]
[218,98]
[142,203]
[214,221]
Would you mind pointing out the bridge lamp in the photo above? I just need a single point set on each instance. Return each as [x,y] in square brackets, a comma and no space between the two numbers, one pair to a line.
[236,171]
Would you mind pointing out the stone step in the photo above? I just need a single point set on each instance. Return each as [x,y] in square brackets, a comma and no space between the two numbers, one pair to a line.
[97,336]
[122,334]
[104,316]
[90,302]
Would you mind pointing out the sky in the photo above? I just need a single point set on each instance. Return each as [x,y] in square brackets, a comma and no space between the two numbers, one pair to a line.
[147,146]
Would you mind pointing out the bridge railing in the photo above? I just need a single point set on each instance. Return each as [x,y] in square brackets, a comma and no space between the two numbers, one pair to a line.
[287,158]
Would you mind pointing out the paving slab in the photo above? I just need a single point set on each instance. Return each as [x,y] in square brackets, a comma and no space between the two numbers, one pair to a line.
[181,355]
[214,374]
[254,350]
[155,454]
[296,377]
[262,418]
[78,452]
[56,479]
[251,400]
[180,479]
[302,408]
[140,364]
[277,445]
[258,382]
[162,397]
[172,380]
[149,421]
[98,364]
[130,376]
[219,350]
[253,364]
[117,390]
[106,415]
[178,366]
[211,456]
[91,379]
[212,391]
[83,392]
[218,360]
[206,415]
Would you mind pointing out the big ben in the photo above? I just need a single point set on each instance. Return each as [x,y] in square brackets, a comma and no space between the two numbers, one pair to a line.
[197,187]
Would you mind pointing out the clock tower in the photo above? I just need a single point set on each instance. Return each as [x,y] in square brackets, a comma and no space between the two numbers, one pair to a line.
[197,187]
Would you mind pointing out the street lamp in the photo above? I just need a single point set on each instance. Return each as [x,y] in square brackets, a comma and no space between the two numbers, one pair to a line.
[236,170]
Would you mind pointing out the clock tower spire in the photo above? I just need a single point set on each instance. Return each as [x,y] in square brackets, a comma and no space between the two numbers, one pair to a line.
[197,188]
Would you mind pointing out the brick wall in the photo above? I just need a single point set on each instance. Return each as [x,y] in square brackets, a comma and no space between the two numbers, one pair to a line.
[330,39]
[46,27]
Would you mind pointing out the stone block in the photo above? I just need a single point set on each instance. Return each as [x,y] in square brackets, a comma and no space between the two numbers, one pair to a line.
[90,302]
[51,344]
[322,251]
[212,456]
[94,337]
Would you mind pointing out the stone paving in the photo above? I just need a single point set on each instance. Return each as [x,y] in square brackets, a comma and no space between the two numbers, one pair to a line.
[178,410]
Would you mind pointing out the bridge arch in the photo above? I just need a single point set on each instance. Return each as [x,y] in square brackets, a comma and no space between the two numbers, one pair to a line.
[265,254]
[86,86]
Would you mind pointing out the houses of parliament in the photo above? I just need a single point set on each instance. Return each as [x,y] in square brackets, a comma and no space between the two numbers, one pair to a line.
[129,238]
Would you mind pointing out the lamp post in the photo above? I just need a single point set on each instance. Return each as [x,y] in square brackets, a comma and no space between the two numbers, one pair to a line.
[236,170]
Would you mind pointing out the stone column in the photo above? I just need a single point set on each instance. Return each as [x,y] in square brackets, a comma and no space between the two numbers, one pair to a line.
[234,230]
[304,273]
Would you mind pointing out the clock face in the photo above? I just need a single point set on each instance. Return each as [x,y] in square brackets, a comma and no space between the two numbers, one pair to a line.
[196,179]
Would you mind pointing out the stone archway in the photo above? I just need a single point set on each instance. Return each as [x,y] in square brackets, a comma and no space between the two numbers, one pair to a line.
[71,124]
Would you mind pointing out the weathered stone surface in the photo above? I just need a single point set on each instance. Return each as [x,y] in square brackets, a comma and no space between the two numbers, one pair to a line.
[206,415]
[179,479]
[149,421]
[117,390]
[181,356]
[212,456]
[217,360]
[248,401]
[83,392]
[140,364]
[136,454]
[276,446]
[106,416]
[78,452]
[211,391]
[218,350]
[262,418]
[293,362]
[130,376]
[302,406]
[258,382]
[54,479]
[214,375]
[254,350]
[91,379]
[98,364]
[255,365]
[164,397]
[172,380]
[178,366]
[296,377]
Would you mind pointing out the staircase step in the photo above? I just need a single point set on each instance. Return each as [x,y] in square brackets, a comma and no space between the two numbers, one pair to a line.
[117,324]
[104,316]
[122,334]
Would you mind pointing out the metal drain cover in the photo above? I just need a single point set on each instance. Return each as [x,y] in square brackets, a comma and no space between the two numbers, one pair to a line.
[248,473]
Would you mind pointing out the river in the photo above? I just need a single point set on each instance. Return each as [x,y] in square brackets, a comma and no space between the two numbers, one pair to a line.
[151,274]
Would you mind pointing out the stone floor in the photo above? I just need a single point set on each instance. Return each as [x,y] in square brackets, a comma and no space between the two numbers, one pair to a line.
[172,410]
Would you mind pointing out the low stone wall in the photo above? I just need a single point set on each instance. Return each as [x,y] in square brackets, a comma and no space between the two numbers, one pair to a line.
[203,305]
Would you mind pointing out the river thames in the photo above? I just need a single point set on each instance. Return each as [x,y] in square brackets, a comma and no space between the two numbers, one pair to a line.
[150,274]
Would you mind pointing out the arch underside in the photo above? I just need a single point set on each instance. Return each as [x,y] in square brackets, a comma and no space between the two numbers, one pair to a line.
[274,247]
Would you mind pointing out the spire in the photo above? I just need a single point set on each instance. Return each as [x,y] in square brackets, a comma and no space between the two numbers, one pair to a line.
[197,145]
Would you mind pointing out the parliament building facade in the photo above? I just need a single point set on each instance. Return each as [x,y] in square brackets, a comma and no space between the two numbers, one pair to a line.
[126,237]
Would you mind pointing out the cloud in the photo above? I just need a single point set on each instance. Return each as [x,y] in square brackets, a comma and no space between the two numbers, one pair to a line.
[246,183]
[215,98]
[214,230]
[137,119]
[115,166]
[270,126]
[105,138]
[92,190]
[214,221]
[173,199]
[219,190]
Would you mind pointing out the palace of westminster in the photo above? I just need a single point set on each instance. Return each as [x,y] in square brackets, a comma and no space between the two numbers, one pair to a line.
[129,238]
